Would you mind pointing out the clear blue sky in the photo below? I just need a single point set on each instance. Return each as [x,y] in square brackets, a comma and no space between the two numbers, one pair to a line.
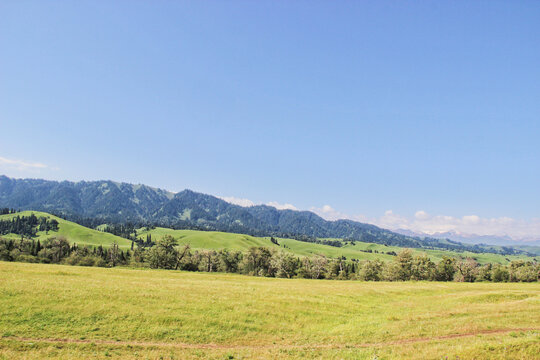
[366,106]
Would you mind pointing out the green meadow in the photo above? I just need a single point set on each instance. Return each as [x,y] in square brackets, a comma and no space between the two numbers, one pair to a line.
[219,240]
[70,312]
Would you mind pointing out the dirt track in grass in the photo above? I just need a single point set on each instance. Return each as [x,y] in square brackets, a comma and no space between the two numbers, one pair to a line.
[268,346]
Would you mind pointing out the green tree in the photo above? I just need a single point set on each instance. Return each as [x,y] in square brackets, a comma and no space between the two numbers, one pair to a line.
[484,272]
[229,261]
[257,261]
[399,269]
[54,249]
[371,270]
[523,271]
[499,273]
[313,268]
[209,261]
[466,270]
[445,269]
[164,254]
[113,254]
[284,264]
[422,268]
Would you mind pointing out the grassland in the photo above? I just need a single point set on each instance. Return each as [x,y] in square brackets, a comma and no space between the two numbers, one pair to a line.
[55,311]
[219,240]
[73,232]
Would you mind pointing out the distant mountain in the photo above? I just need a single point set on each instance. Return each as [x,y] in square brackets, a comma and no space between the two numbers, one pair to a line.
[473,238]
[108,201]
[408,232]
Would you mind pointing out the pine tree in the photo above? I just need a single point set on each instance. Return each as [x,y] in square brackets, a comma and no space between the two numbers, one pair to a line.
[38,247]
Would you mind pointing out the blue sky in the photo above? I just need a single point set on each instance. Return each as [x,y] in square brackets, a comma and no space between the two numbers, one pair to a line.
[363,107]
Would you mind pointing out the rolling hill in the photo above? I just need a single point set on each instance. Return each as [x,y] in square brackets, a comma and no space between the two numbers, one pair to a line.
[73,232]
[215,240]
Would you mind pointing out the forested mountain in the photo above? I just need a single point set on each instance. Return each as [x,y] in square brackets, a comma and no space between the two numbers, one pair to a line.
[112,202]
[94,199]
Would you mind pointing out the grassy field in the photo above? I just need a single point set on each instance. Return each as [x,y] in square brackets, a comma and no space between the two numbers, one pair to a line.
[55,311]
[219,240]
[73,232]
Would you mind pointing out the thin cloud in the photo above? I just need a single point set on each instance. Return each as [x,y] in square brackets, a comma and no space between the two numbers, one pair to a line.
[237,201]
[423,222]
[517,229]
[21,165]
[329,213]
[281,206]
[247,203]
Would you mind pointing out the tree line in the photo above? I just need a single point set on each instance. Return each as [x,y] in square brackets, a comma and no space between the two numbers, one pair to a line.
[57,250]
[166,253]
[7,211]
[27,225]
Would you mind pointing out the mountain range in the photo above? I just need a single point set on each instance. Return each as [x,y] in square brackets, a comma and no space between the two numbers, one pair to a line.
[472,238]
[112,202]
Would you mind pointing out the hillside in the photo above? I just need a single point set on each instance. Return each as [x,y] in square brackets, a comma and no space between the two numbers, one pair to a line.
[73,232]
[213,240]
[112,202]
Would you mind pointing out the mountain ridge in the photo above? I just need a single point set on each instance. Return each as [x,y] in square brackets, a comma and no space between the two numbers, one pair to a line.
[115,202]
[470,238]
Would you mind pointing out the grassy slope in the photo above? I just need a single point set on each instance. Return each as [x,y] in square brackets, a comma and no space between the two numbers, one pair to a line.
[219,240]
[76,233]
[250,317]
[437,255]
[532,249]
[73,232]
